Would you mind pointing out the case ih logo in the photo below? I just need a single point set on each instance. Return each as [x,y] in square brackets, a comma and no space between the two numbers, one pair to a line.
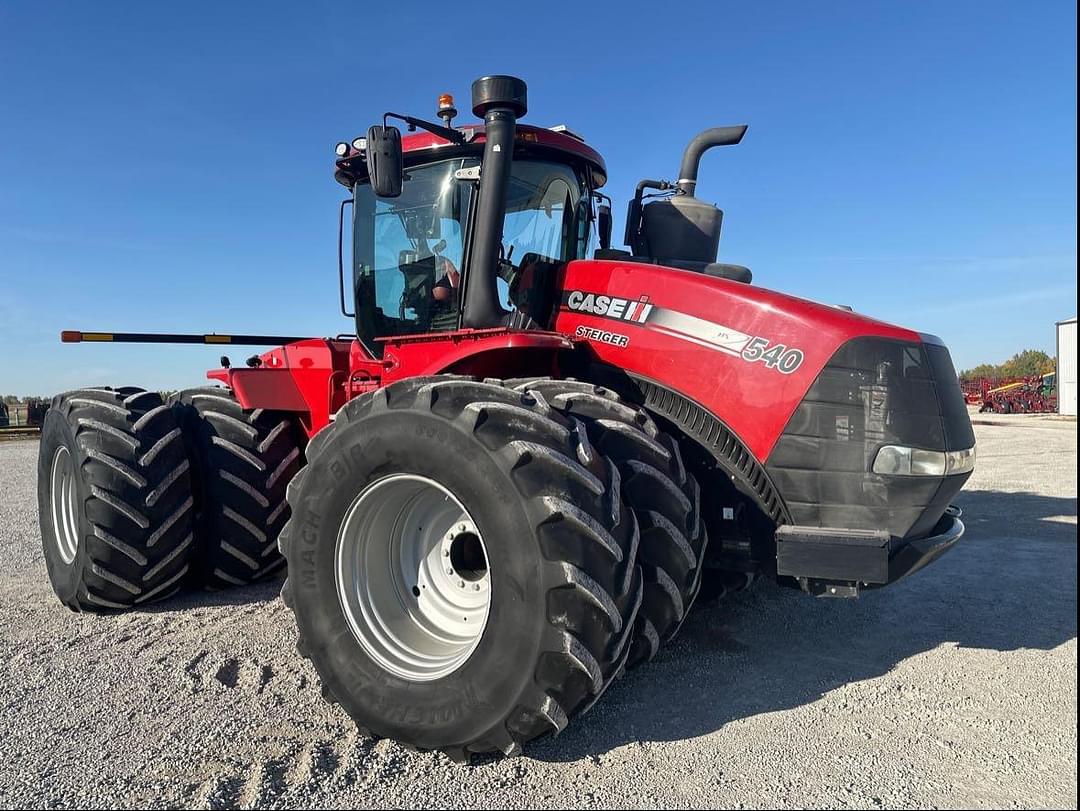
[621,309]
[750,348]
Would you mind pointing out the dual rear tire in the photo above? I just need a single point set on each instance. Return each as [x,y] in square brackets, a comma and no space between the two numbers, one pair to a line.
[241,462]
[114,499]
[139,497]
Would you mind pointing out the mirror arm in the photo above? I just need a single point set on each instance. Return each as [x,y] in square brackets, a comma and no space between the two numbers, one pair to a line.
[633,237]
[447,133]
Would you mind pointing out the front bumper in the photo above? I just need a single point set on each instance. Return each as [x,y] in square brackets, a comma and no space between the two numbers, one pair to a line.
[839,562]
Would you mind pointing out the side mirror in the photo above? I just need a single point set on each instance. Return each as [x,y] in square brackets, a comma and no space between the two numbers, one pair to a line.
[603,224]
[384,161]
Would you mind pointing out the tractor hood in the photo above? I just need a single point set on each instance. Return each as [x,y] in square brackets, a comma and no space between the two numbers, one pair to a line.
[799,397]
[746,353]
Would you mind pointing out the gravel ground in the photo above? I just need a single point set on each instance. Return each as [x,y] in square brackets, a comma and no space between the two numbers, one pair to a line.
[956,688]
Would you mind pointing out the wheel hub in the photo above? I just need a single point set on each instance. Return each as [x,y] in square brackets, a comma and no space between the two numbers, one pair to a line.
[412,577]
[63,504]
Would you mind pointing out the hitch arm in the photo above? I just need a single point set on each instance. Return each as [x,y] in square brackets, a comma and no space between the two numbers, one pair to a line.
[70,336]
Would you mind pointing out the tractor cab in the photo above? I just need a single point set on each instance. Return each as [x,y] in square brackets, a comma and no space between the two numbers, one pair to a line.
[413,249]
[468,227]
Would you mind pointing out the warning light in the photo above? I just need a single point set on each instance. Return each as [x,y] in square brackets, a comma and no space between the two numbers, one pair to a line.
[447,110]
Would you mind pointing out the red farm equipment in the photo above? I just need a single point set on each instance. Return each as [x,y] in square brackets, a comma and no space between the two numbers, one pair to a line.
[1035,394]
[510,482]
[974,389]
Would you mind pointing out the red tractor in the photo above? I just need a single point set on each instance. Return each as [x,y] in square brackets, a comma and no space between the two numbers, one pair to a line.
[509,484]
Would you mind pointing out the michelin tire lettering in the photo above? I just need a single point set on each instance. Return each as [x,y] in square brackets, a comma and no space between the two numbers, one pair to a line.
[640,311]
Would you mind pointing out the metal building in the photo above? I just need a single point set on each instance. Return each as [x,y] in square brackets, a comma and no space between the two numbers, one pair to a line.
[1066,366]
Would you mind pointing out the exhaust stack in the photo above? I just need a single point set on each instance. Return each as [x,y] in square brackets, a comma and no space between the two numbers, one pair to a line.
[691,159]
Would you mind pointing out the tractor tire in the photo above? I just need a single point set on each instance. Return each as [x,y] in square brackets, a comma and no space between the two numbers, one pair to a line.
[114,499]
[241,463]
[553,596]
[656,485]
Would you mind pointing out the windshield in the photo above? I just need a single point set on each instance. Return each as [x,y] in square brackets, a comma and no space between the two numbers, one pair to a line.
[540,206]
[408,251]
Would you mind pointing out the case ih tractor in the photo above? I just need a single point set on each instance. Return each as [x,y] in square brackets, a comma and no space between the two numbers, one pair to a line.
[508,484]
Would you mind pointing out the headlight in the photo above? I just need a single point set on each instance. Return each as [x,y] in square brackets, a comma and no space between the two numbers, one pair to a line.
[897,460]
[960,461]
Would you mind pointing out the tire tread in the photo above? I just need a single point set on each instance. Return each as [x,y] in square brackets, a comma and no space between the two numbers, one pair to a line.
[591,576]
[242,461]
[136,546]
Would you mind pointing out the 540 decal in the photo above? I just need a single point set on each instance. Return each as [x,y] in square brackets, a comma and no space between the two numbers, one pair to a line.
[782,358]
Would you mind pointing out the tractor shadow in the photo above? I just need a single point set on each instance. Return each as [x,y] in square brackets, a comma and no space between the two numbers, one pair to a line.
[1009,585]
[265,591]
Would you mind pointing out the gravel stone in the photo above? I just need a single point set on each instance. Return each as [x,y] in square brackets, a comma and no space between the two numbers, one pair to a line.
[955,688]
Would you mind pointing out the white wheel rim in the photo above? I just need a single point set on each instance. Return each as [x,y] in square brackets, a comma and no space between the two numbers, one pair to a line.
[412,577]
[64,502]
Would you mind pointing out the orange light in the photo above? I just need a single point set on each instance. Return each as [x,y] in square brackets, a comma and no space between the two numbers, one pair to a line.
[446,101]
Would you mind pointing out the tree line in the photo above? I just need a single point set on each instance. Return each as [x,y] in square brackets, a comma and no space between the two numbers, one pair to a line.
[1028,363]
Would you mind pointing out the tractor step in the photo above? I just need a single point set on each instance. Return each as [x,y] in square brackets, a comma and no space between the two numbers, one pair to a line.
[834,562]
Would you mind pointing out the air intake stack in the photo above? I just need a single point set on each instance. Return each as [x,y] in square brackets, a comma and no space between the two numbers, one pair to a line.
[500,101]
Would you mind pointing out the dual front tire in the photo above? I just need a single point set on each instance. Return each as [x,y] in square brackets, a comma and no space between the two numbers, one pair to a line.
[534,471]
[559,552]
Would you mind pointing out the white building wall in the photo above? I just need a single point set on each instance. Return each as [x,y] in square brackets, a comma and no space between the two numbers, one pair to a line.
[1066,366]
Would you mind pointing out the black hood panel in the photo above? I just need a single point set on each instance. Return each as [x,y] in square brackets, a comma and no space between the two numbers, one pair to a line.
[873,392]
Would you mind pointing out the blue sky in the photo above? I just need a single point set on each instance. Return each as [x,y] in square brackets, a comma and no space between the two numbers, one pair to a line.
[167,167]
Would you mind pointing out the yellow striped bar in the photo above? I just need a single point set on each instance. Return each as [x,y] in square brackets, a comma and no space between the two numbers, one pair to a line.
[74,337]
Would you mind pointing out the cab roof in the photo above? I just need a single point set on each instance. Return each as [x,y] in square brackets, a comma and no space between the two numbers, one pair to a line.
[421,147]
